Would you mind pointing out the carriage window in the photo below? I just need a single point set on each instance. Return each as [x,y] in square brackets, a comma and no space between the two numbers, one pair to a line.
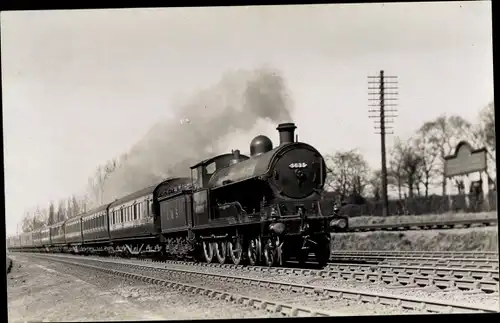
[210,168]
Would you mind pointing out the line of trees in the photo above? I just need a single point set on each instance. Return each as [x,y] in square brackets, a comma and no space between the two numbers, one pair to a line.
[415,166]
[74,205]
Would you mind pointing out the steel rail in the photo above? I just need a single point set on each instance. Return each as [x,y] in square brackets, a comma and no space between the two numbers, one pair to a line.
[431,254]
[425,305]
[476,274]
[421,261]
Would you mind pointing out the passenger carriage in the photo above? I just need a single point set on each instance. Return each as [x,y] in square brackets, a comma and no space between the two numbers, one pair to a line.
[37,239]
[95,230]
[73,234]
[131,224]
[45,239]
[26,240]
[58,241]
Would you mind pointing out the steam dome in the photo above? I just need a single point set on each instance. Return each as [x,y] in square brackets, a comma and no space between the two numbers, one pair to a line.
[260,145]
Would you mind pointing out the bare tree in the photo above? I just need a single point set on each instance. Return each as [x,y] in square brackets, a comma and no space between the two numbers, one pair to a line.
[347,173]
[429,158]
[405,164]
[486,129]
[375,184]
[27,223]
[51,214]
[483,135]
[411,165]
[83,204]
[97,181]
[395,171]
[69,208]
[75,207]
[61,211]
[443,134]
[34,220]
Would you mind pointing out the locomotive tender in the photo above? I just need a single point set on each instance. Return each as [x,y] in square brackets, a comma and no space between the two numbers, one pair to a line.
[262,208]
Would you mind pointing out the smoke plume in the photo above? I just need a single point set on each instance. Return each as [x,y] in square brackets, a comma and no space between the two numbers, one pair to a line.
[217,119]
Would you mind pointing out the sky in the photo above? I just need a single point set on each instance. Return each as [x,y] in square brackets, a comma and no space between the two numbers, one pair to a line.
[81,87]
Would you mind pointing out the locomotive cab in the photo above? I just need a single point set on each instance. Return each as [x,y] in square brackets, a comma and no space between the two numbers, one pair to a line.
[204,204]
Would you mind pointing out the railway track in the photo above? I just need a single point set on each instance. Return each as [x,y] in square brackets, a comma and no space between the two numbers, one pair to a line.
[433,254]
[290,299]
[410,276]
[463,263]
[417,225]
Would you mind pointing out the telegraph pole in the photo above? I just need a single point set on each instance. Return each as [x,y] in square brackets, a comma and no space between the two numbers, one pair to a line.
[378,108]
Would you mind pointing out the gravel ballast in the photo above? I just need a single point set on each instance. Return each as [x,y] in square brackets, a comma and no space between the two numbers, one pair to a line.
[39,290]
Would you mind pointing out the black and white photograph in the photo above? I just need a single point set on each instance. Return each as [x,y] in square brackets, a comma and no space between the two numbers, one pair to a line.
[259,161]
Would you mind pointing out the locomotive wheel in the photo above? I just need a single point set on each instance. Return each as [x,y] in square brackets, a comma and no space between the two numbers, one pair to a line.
[220,251]
[253,251]
[269,253]
[235,250]
[208,251]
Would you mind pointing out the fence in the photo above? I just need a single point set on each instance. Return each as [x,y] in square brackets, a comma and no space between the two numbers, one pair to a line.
[420,205]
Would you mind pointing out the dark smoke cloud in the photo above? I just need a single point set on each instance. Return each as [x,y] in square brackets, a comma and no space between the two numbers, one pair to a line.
[207,123]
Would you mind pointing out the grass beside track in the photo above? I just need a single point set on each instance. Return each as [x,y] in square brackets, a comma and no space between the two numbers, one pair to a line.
[471,239]
[363,220]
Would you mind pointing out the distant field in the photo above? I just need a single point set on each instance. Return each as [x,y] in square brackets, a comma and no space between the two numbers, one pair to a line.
[361,220]
[471,239]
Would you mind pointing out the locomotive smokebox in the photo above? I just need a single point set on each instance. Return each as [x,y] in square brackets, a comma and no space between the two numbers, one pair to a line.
[287,131]
[260,145]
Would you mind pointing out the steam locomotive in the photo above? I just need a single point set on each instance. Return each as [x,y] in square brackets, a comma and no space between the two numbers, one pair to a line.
[258,209]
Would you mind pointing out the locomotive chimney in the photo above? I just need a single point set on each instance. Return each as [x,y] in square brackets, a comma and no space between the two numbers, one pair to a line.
[286,131]
[236,157]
